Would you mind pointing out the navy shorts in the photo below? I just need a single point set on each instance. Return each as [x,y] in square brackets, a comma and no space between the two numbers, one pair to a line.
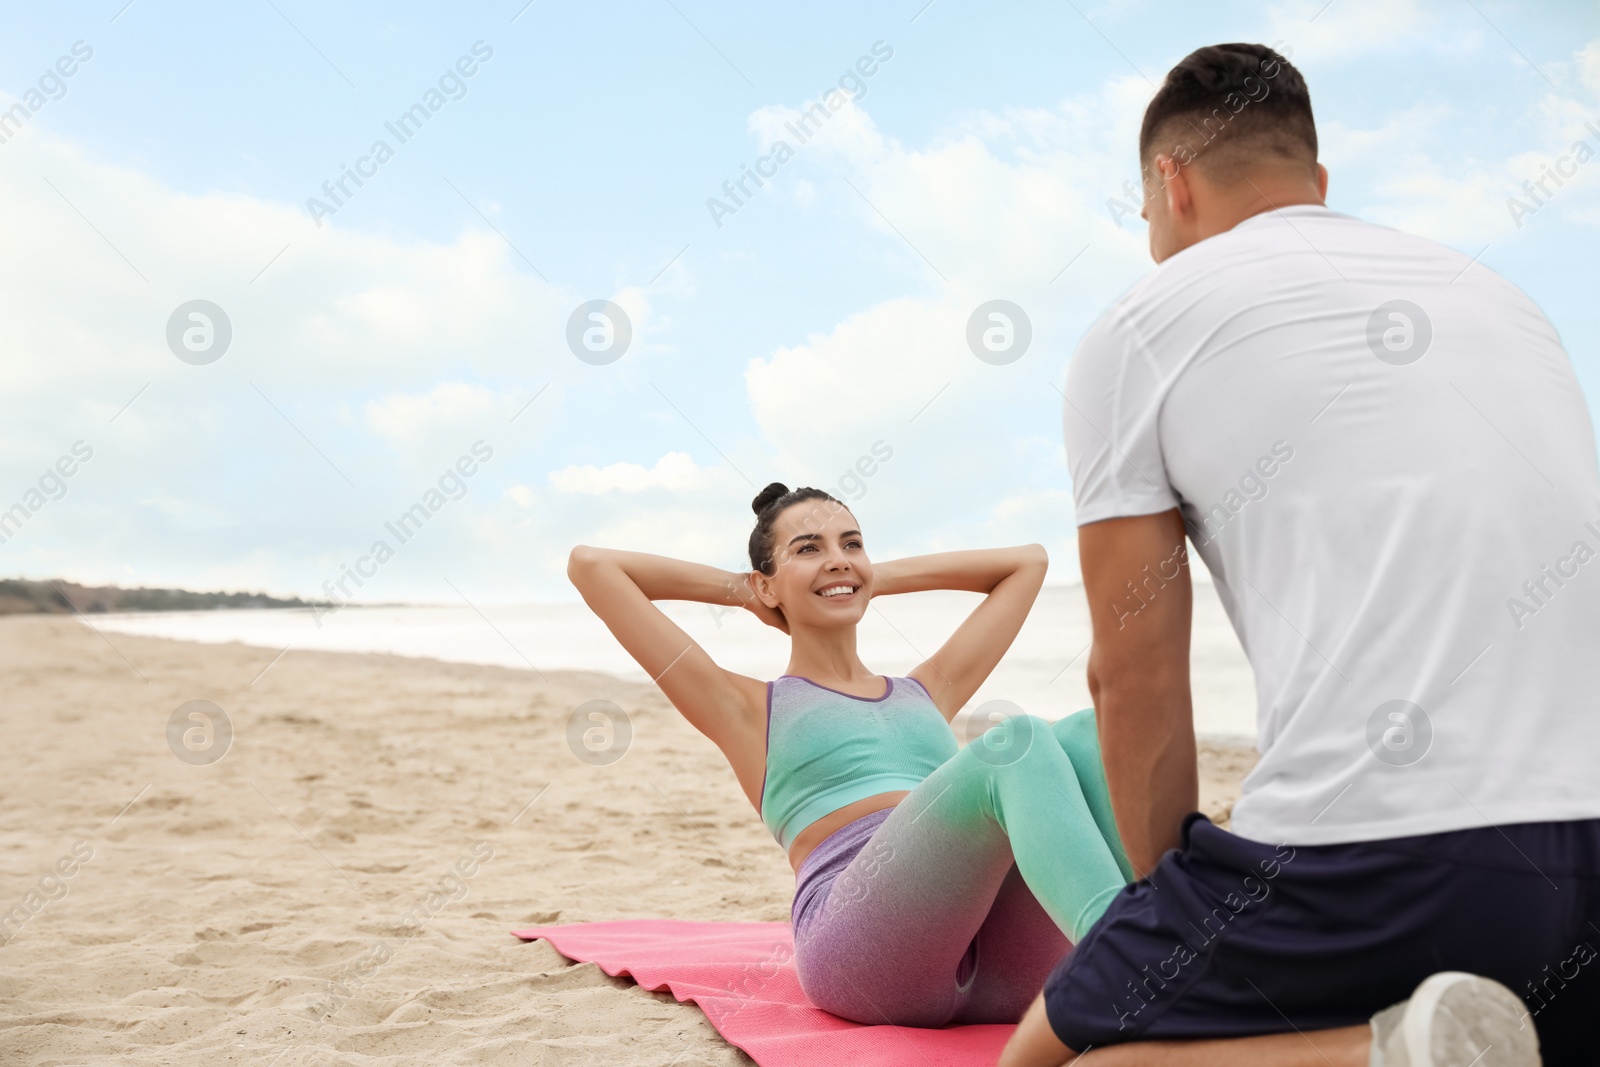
[1230,937]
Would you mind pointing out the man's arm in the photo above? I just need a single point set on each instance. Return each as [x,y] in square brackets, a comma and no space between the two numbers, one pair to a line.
[1034,1042]
[1136,576]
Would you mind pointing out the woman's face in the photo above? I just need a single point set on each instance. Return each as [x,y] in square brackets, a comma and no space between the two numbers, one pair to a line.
[822,575]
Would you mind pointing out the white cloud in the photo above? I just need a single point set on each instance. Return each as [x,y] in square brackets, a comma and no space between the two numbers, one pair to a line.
[360,366]
[336,309]
[1589,65]
[675,470]
[995,205]
[829,393]
[1334,31]
[1433,177]
[449,405]
[999,205]
[363,364]
[995,201]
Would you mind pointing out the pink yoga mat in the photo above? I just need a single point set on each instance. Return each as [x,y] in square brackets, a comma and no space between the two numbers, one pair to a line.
[742,976]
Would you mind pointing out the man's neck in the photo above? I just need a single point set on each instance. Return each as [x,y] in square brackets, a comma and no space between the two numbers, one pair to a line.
[1258,196]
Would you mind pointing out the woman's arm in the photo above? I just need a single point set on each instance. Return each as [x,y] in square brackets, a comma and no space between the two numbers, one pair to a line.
[664,578]
[974,571]
[619,587]
[1010,576]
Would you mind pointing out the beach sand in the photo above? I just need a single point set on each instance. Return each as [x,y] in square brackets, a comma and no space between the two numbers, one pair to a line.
[379,818]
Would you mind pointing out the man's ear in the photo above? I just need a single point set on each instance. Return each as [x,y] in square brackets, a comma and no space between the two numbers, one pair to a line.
[1175,187]
[1322,181]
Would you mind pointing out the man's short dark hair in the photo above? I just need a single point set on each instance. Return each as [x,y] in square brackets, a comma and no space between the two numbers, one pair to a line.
[1233,105]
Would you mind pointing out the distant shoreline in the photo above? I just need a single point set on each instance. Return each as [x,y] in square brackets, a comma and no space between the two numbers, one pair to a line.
[54,596]
[57,596]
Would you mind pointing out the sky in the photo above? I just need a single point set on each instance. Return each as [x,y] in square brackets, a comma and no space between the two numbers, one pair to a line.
[229,364]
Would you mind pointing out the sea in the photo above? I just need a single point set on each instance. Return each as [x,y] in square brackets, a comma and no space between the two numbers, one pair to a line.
[1042,674]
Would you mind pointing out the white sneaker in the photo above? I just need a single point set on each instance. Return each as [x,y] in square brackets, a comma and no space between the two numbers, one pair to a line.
[1455,1019]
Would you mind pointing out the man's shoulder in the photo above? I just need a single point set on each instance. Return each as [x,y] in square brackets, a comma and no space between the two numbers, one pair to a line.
[1289,259]
[1278,249]
[1258,242]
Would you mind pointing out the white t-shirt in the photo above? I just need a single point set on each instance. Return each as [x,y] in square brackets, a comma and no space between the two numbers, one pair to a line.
[1383,457]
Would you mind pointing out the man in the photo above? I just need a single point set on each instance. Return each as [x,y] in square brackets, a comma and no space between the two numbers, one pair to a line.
[1379,450]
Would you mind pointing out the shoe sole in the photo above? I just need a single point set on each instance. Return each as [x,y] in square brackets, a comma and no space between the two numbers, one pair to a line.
[1465,1020]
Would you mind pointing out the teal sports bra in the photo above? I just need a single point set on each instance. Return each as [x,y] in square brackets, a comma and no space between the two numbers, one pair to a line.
[827,749]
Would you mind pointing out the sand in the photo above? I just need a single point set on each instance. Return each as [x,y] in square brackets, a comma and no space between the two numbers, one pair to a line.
[377,821]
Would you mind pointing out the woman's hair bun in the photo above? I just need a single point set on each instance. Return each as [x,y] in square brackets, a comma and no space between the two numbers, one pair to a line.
[772,492]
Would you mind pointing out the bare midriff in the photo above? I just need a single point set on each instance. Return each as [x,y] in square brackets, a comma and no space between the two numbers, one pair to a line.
[812,836]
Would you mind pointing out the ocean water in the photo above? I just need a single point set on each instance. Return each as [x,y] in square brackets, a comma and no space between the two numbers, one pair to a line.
[1043,673]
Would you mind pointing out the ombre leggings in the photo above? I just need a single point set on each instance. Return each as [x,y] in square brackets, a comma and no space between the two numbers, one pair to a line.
[955,905]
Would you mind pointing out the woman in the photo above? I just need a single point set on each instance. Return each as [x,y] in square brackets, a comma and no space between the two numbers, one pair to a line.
[934,885]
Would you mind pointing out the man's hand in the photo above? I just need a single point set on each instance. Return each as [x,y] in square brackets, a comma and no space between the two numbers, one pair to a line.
[1136,576]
